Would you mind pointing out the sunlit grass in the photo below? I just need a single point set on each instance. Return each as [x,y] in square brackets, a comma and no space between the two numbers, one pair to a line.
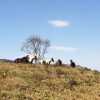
[39,82]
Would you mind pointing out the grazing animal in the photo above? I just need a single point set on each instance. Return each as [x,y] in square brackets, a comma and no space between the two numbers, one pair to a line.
[22,60]
[72,64]
[51,61]
[34,59]
[59,62]
[44,62]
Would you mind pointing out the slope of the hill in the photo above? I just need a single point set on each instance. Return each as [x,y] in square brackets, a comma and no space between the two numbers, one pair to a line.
[39,82]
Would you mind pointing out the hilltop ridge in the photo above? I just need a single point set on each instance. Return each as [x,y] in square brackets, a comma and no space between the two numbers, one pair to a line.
[46,82]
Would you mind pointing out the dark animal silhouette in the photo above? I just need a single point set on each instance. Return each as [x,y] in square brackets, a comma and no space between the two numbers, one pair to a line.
[51,60]
[44,62]
[59,62]
[48,62]
[22,60]
[34,59]
[72,63]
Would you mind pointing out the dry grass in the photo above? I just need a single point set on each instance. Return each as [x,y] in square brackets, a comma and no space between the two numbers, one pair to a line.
[39,82]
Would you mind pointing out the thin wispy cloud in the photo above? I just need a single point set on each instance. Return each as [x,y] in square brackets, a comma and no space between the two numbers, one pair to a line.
[63,48]
[59,23]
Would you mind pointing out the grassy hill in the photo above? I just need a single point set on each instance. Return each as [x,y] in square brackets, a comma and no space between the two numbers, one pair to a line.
[39,82]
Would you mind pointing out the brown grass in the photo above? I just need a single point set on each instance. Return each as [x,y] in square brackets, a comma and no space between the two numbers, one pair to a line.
[40,82]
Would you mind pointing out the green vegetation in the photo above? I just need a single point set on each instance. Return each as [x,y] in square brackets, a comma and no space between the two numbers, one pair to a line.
[39,82]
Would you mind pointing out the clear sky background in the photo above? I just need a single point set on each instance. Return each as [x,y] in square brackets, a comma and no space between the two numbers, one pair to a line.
[72,26]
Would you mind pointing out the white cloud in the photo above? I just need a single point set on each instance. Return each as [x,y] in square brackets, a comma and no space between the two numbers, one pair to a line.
[59,23]
[63,48]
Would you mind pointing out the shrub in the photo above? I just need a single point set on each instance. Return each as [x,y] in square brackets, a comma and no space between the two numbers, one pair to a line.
[71,84]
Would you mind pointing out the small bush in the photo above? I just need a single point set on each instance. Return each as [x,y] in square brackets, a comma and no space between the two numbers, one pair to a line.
[71,84]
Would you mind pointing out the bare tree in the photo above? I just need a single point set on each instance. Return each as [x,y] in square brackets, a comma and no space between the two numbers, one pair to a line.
[36,45]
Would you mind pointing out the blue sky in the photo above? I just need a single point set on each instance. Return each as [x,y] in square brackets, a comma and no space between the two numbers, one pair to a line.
[72,26]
